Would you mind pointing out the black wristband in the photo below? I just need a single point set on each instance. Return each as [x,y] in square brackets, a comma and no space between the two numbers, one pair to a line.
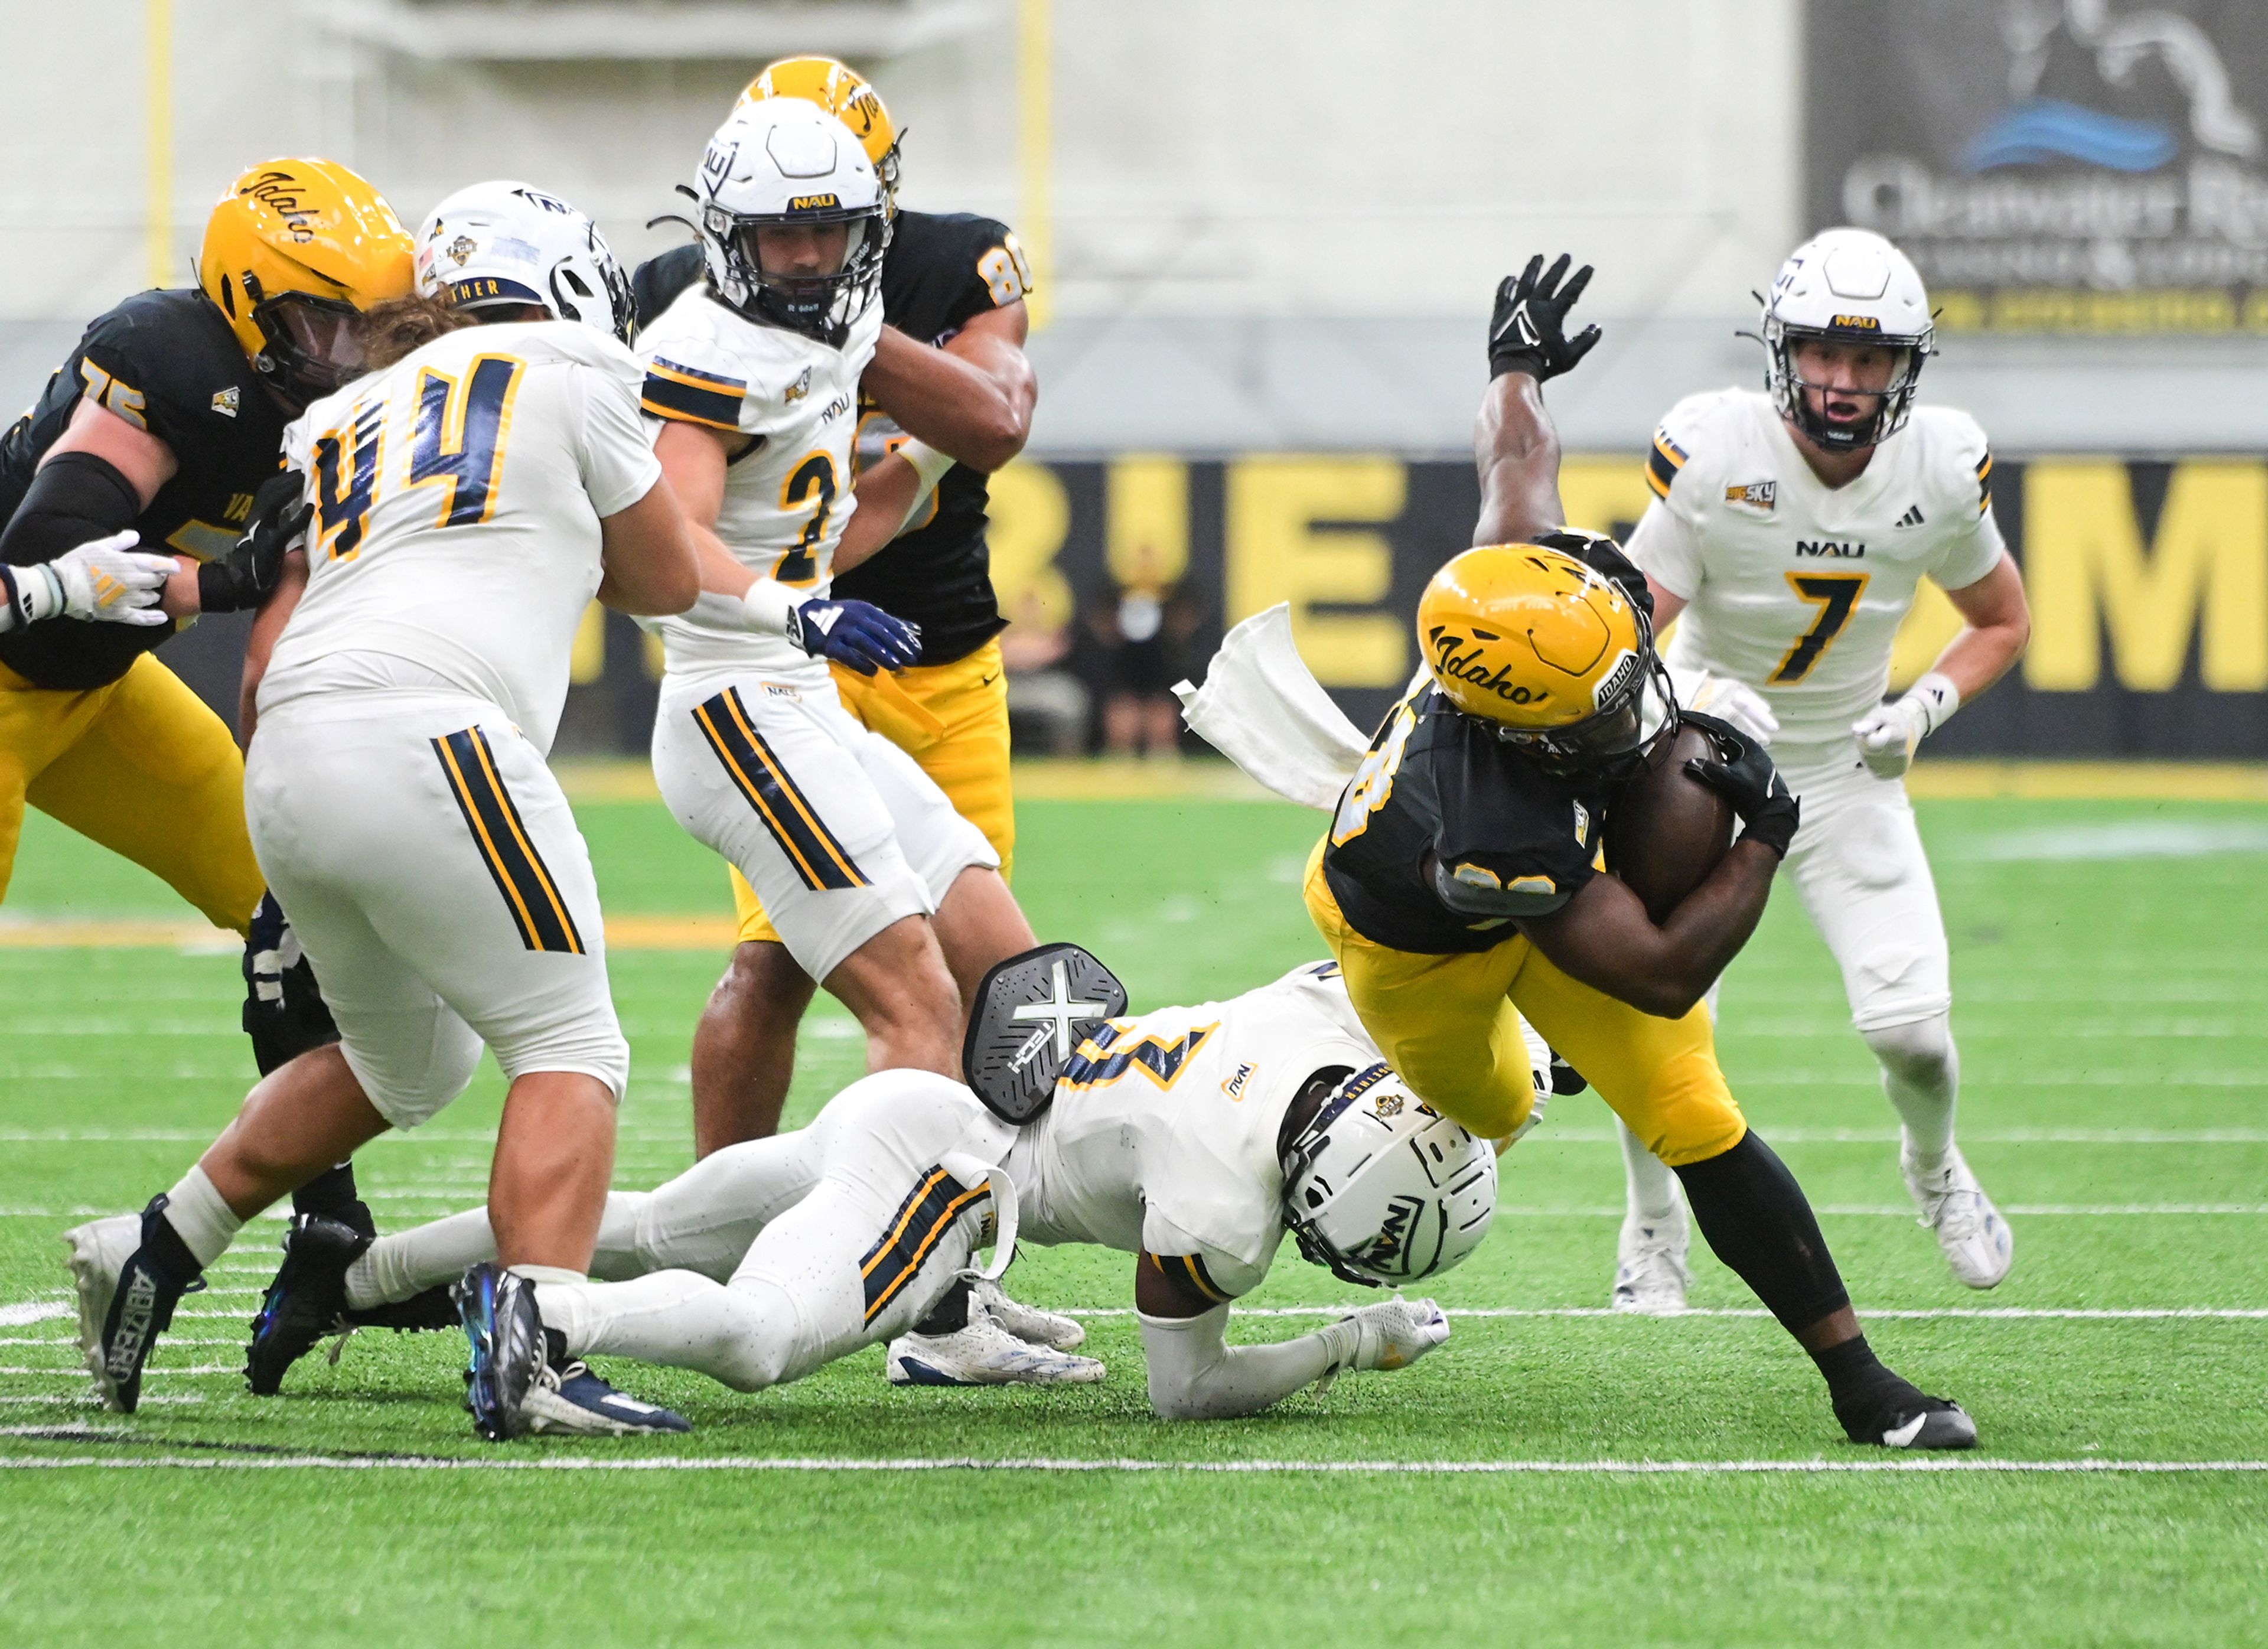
[1774,824]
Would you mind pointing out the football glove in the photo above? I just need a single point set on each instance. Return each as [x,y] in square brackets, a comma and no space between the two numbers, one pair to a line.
[242,578]
[1889,735]
[1744,776]
[856,635]
[1528,333]
[1735,703]
[106,579]
[1392,1334]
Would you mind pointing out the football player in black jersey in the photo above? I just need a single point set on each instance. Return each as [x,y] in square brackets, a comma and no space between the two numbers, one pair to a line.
[950,372]
[167,420]
[1460,884]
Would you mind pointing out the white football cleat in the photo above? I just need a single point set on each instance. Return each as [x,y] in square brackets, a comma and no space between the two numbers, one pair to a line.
[98,1252]
[1977,1243]
[985,1354]
[1650,1275]
[1050,1328]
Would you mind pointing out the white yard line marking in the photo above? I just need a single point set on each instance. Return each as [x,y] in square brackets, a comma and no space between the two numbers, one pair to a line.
[1925,1465]
[28,1310]
[88,1399]
[2016,1313]
[155,1368]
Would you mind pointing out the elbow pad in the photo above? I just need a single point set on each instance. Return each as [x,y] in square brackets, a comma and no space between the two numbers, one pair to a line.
[74,498]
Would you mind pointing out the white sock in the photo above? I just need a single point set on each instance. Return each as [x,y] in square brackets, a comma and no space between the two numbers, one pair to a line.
[1649,1183]
[743,1335]
[1921,1075]
[200,1218]
[408,1262]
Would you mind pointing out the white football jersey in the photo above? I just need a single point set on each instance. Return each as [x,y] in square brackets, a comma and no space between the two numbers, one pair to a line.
[787,500]
[458,496]
[1794,587]
[1162,1135]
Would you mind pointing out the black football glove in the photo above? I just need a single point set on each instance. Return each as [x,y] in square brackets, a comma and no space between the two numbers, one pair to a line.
[1744,776]
[1602,556]
[243,577]
[1528,332]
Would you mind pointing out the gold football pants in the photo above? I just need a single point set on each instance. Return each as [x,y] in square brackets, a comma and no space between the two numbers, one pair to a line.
[1450,1027]
[141,766]
[953,719]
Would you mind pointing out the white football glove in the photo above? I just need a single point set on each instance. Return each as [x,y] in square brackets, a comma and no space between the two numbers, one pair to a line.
[1734,702]
[109,579]
[1889,735]
[1393,1333]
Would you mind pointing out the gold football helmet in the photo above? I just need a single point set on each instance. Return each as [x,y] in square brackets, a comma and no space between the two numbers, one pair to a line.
[293,252]
[1551,656]
[837,88]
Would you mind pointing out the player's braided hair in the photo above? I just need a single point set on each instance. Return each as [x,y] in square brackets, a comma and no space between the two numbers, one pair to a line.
[402,326]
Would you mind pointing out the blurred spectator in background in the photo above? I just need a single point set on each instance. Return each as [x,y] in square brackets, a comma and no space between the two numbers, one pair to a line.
[1144,634]
[1047,705]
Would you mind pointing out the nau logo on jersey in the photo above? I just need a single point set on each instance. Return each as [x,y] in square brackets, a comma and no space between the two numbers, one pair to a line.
[798,389]
[1235,1085]
[226,402]
[1829,548]
[1758,495]
[835,409]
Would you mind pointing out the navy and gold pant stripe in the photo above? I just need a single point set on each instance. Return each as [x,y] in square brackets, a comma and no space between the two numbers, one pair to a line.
[1191,1269]
[810,846]
[937,1200]
[529,890]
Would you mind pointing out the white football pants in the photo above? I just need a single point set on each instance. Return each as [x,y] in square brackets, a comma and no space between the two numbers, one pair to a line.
[838,830]
[433,870]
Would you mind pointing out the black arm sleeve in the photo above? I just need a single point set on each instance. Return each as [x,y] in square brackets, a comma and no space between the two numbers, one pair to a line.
[73,498]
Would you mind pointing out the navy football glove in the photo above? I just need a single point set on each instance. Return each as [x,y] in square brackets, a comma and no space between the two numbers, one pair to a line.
[856,635]
[1528,332]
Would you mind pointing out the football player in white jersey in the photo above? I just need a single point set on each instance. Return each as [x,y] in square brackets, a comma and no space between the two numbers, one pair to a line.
[878,889]
[1191,1138]
[469,498]
[1790,529]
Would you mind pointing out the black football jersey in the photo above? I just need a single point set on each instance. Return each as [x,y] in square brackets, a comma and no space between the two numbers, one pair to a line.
[167,363]
[1447,834]
[941,269]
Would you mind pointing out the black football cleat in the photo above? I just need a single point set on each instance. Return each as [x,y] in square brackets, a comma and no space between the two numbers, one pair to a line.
[126,1291]
[1911,1419]
[307,1300]
[497,1312]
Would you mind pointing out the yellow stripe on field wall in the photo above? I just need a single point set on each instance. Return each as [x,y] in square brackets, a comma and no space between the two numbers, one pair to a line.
[157,141]
[1036,152]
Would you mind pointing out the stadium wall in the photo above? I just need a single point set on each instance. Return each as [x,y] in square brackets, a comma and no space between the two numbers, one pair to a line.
[2148,581]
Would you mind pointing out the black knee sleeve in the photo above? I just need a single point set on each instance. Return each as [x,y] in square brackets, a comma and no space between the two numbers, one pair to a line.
[284,1013]
[1759,1222]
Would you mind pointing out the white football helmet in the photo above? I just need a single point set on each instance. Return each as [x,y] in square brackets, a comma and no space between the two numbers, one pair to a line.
[779,163]
[504,243]
[1853,286]
[1384,1189]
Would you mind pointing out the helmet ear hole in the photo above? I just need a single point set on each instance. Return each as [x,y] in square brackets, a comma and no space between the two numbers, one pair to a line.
[228,296]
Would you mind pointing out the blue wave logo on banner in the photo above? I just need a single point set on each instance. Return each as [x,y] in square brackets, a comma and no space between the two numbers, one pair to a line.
[2049,128]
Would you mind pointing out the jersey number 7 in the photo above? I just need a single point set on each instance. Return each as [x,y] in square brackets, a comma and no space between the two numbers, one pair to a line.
[1837,596]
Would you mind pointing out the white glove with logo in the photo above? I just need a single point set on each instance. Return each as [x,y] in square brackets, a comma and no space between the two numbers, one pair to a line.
[1888,736]
[107,578]
[1393,1333]
[1735,703]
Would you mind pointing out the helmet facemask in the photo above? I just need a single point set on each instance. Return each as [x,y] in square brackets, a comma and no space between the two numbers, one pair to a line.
[1614,740]
[310,346]
[1793,393]
[820,306]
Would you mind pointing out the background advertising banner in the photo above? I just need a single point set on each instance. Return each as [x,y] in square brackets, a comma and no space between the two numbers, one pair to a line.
[2052,165]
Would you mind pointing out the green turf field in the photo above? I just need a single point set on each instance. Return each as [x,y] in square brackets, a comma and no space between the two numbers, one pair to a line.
[2111,960]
